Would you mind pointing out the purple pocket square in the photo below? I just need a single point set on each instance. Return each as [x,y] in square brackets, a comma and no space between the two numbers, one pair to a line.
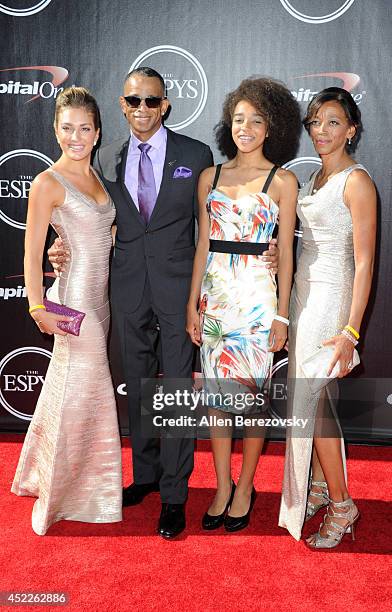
[182,172]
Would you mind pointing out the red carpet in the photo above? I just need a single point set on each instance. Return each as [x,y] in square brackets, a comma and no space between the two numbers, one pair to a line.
[126,567]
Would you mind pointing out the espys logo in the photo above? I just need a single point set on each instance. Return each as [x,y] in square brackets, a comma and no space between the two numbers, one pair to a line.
[21,380]
[46,89]
[303,167]
[185,80]
[24,12]
[278,390]
[341,8]
[346,80]
[16,175]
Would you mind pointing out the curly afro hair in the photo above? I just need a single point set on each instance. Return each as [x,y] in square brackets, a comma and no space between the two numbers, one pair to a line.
[278,107]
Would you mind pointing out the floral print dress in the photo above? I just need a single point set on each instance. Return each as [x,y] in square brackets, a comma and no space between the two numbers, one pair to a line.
[238,298]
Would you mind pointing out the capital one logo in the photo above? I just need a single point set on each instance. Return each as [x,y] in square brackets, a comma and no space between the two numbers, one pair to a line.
[19,292]
[18,168]
[22,373]
[185,80]
[345,80]
[293,10]
[24,12]
[35,88]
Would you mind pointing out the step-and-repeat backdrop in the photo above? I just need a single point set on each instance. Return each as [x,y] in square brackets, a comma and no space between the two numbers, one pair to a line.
[203,49]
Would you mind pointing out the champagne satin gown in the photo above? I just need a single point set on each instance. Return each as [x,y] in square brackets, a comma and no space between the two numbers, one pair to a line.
[71,457]
[319,309]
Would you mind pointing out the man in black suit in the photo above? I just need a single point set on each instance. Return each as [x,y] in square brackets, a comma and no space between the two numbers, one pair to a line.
[150,278]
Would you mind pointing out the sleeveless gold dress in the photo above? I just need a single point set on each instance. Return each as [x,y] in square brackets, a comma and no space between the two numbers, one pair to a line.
[71,457]
[319,309]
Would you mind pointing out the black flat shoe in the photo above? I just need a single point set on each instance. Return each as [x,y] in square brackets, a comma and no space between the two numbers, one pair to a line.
[210,522]
[135,493]
[172,520]
[235,523]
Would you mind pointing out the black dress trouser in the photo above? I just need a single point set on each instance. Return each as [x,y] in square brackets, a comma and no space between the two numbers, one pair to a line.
[167,459]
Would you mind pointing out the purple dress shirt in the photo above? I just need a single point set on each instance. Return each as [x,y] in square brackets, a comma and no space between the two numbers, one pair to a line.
[157,155]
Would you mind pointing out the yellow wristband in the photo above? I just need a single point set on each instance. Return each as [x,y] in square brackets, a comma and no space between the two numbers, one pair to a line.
[352,331]
[37,307]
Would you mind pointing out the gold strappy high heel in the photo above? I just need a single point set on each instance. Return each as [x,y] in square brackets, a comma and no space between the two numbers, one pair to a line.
[335,531]
[312,508]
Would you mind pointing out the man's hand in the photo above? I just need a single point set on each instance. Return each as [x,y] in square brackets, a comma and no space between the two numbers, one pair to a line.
[272,256]
[58,255]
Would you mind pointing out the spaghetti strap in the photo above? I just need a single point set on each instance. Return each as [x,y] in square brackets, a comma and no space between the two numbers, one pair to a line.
[216,177]
[269,179]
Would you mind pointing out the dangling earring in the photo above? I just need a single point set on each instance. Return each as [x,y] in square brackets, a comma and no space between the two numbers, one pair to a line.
[349,141]
[95,142]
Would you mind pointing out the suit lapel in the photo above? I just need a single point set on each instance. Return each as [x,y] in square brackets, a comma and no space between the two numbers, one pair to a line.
[121,168]
[171,158]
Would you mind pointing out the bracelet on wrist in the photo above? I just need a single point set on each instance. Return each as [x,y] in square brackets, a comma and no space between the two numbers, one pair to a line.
[37,307]
[352,331]
[282,319]
[349,336]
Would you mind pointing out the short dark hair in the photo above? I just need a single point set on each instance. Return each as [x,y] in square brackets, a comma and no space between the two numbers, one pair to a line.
[345,99]
[280,110]
[148,72]
[77,97]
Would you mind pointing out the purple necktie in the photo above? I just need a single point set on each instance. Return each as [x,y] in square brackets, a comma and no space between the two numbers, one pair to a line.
[146,192]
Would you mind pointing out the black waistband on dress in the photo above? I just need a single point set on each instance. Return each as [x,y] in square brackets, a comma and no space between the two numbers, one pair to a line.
[238,248]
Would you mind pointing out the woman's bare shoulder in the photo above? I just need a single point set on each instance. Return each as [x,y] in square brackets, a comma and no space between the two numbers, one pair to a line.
[206,178]
[287,177]
[46,186]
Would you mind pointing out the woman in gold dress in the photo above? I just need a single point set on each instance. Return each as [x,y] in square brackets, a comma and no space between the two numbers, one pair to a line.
[71,457]
[337,209]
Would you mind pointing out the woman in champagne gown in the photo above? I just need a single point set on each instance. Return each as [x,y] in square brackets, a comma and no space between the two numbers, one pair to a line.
[71,457]
[332,283]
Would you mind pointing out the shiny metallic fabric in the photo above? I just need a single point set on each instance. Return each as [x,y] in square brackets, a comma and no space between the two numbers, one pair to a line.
[319,309]
[71,457]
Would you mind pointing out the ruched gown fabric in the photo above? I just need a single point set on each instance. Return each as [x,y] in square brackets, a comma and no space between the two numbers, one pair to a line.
[238,298]
[319,309]
[71,457]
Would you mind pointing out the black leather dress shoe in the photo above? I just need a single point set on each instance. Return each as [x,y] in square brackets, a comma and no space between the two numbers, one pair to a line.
[172,520]
[135,493]
[210,522]
[235,523]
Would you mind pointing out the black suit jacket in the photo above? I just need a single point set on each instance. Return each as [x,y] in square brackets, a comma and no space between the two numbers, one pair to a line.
[162,250]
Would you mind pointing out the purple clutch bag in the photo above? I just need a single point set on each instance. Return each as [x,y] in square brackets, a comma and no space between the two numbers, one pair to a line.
[71,327]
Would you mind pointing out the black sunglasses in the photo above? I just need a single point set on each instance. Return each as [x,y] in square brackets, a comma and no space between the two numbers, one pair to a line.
[151,101]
